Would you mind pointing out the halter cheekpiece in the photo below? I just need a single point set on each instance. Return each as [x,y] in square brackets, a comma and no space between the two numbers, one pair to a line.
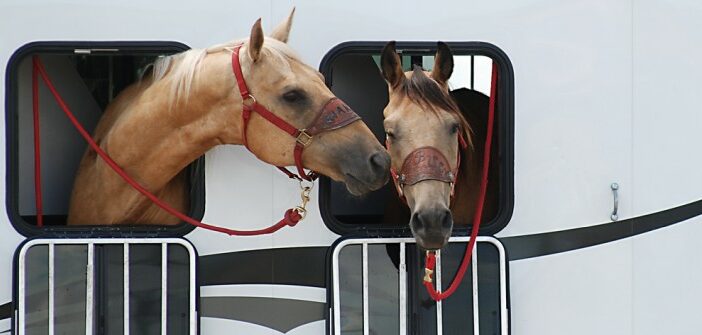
[334,114]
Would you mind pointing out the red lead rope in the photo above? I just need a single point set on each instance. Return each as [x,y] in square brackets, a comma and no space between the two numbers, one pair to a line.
[291,217]
[430,261]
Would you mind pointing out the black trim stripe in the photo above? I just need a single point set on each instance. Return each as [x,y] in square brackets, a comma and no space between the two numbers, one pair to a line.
[282,315]
[529,246]
[5,310]
[304,266]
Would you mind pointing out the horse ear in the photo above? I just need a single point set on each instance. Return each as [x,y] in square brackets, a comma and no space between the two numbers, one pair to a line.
[443,64]
[256,40]
[390,65]
[282,31]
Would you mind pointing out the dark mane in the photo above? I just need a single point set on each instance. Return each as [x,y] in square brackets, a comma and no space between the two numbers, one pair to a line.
[426,92]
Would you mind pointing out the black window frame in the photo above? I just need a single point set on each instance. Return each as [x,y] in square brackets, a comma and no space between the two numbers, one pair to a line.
[196,173]
[504,129]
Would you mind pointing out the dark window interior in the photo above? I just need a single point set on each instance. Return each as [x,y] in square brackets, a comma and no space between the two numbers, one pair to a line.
[352,72]
[88,81]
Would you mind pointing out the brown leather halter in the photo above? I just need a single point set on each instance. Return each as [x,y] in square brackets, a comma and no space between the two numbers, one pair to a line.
[334,114]
[426,163]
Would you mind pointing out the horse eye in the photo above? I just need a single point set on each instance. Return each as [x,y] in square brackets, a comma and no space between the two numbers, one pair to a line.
[389,134]
[454,128]
[293,96]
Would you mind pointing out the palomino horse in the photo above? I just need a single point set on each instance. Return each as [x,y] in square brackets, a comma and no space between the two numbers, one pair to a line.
[158,126]
[426,130]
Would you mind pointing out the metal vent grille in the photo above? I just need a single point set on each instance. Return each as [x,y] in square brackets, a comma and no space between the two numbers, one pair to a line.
[377,289]
[106,286]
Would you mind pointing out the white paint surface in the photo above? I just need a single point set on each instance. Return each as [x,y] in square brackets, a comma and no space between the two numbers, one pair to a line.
[605,91]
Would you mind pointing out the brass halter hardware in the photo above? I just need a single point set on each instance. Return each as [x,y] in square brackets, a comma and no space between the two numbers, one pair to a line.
[305,190]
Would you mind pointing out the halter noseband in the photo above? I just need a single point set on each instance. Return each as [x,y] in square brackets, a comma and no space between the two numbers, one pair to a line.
[334,114]
[426,163]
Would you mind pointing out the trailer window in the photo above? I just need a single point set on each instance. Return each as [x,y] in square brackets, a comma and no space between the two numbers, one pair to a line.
[106,286]
[352,72]
[88,76]
[377,289]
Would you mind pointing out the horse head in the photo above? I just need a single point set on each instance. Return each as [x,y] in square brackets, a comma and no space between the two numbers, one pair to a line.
[425,132]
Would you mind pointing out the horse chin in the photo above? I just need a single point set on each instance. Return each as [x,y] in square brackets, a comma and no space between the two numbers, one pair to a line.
[356,186]
[431,246]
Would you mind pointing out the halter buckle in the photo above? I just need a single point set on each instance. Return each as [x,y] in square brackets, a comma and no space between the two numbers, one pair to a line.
[304,138]
[249,100]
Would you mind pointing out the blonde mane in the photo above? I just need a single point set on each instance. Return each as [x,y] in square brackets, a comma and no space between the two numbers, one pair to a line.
[182,67]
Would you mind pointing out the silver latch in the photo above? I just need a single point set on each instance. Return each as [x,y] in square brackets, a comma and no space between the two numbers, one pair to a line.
[615,194]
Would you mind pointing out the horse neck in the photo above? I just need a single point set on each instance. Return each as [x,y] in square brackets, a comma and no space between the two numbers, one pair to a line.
[467,188]
[154,138]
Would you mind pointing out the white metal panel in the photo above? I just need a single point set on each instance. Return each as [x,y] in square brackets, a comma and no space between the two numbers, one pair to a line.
[667,132]
[215,326]
[581,292]
[293,292]
[572,66]
[666,282]
[667,119]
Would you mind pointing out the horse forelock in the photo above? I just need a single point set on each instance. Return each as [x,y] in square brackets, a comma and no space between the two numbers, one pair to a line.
[427,93]
[183,67]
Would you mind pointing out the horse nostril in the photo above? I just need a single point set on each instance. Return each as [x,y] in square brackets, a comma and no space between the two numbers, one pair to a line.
[434,222]
[417,221]
[380,161]
[446,219]
[432,227]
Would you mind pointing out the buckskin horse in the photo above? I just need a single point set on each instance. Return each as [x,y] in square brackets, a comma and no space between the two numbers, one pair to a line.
[435,153]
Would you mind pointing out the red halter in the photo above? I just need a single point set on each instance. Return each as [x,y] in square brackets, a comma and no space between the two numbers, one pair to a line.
[335,114]
[426,163]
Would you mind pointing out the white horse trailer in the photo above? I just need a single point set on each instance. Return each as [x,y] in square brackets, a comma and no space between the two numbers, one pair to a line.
[598,214]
